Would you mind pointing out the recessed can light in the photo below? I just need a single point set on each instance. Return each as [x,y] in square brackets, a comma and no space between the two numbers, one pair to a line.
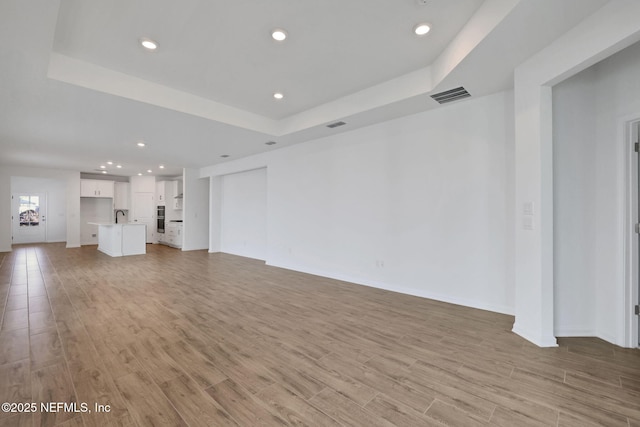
[149,171]
[278,95]
[148,44]
[139,173]
[103,167]
[141,144]
[161,166]
[119,166]
[104,171]
[421,29]
[279,34]
[109,163]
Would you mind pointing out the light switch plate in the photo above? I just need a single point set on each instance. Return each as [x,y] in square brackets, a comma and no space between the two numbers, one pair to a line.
[527,208]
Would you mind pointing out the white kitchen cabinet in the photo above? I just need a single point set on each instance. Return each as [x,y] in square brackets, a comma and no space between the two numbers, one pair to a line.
[172,235]
[96,188]
[161,193]
[121,196]
[177,203]
[143,212]
[177,195]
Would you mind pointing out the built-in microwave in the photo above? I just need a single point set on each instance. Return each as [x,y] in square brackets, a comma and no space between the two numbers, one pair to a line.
[160,219]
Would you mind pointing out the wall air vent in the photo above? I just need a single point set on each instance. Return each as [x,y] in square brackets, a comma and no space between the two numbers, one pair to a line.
[336,124]
[270,143]
[451,95]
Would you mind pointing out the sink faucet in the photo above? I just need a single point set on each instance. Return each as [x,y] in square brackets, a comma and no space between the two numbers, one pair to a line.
[117,212]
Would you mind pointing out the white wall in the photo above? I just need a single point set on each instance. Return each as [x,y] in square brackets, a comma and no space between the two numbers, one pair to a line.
[589,194]
[617,96]
[575,205]
[602,34]
[421,204]
[72,205]
[94,209]
[196,211]
[244,214]
[55,190]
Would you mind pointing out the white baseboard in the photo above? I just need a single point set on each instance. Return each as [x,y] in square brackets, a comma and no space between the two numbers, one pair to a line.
[399,289]
[574,332]
[534,338]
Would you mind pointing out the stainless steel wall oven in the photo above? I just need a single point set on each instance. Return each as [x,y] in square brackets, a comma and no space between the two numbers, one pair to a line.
[160,219]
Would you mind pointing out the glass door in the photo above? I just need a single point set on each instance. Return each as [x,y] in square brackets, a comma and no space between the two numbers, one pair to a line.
[29,218]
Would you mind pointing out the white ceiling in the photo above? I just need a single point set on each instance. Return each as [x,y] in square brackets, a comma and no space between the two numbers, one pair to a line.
[77,90]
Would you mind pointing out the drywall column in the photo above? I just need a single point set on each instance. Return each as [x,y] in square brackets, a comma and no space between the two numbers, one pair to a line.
[609,30]
[215,213]
[534,215]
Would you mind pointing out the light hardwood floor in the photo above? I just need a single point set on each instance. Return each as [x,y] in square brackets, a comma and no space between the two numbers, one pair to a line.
[190,338]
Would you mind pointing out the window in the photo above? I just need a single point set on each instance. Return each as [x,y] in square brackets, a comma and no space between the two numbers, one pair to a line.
[29,211]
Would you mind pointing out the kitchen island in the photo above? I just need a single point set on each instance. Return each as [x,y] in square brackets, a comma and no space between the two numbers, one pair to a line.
[122,239]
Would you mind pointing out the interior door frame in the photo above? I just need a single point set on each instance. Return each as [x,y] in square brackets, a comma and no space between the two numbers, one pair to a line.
[15,217]
[629,136]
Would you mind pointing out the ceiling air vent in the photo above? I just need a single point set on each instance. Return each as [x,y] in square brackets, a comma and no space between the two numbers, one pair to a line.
[451,95]
[336,124]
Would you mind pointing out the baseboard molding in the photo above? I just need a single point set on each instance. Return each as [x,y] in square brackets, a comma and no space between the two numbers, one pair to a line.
[609,338]
[72,246]
[574,332]
[534,338]
[399,289]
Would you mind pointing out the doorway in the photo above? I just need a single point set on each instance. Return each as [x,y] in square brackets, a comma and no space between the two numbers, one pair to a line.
[29,217]
[635,289]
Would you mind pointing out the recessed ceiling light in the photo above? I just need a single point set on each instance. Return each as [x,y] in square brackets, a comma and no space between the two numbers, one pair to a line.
[421,29]
[161,166]
[279,34]
[141,144]
[104,171]
[149,171]
[109,163]
[278,95]
[148,44]
[139,173]
[103,167]
[119,166]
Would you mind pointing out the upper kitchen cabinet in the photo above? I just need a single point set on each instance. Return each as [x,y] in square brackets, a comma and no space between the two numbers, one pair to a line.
[121,198]
[177,195]
[96,188]
[169,194]
[161,192]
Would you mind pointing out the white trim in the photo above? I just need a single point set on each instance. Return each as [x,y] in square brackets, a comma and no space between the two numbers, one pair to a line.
[549,341]
[575,332]
[630,267]
[399,289]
